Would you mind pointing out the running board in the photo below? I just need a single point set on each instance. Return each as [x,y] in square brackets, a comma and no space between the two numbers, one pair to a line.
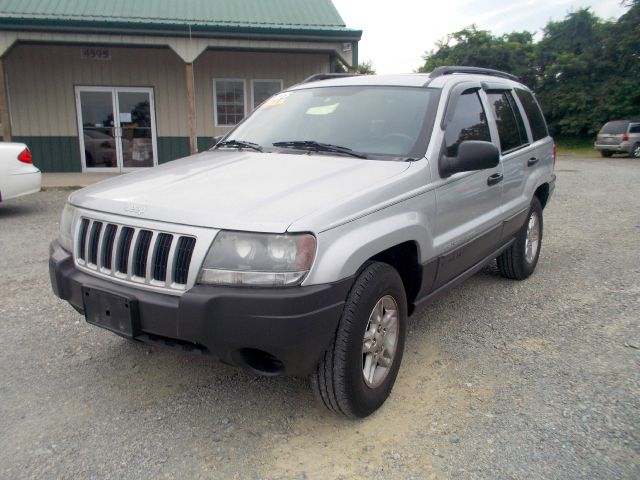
[462,277]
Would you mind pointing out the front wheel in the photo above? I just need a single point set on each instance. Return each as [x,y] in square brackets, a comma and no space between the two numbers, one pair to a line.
[520,259]
[357,372]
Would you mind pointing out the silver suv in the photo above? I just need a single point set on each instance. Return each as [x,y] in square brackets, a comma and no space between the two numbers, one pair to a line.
[619,136]
[304,239]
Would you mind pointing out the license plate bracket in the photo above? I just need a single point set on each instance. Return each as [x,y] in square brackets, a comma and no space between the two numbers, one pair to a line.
[114,312]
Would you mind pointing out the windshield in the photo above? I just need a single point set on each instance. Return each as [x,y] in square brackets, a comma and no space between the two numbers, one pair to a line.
[615,127]
[376,121]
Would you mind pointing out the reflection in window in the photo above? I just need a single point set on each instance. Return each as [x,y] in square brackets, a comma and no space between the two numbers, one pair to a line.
[263,89]
[469,122]
[229,102]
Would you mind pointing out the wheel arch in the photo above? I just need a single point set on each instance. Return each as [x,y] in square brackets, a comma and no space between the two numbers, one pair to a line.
[400,241]
[542,192]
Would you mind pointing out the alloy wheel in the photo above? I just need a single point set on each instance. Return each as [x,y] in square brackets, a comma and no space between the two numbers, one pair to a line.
[380,341]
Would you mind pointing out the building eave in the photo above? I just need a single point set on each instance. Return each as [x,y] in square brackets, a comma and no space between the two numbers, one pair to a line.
[256,32]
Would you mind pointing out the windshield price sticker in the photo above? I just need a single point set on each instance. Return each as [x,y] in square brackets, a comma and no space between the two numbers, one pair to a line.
[276,100]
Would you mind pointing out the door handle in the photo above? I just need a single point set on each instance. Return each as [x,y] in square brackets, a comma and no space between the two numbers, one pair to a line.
[495,178]
[532,161]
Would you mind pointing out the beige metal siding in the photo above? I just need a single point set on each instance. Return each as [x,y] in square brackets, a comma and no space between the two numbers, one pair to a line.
[291,68]
[42,79]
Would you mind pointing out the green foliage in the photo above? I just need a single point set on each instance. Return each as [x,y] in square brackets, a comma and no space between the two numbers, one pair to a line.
[585,71]
[366,68]
[513,52]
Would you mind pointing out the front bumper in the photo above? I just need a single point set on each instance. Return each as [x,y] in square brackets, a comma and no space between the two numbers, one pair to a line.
[268,330]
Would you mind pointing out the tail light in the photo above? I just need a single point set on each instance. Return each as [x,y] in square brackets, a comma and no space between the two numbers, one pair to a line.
[25,156]
[625,137]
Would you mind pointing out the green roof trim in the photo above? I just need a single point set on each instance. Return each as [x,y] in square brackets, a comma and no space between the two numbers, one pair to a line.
[317,17]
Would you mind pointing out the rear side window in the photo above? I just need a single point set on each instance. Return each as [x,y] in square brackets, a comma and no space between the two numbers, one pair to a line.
[469,122]
[533,112]
[509,121]
[635,128]
[616,127]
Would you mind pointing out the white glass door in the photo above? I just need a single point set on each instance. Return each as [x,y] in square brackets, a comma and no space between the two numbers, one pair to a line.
[117,128]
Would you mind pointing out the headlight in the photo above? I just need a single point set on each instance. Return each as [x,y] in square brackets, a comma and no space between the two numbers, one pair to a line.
[259,259]
[65,235]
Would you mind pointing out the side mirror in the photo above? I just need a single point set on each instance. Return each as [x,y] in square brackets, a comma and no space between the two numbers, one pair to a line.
[472,155]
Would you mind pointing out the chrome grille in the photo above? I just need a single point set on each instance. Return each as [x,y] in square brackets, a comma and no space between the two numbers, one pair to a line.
[139,255]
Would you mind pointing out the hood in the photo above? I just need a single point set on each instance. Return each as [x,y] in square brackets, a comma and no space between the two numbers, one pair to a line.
[237,190]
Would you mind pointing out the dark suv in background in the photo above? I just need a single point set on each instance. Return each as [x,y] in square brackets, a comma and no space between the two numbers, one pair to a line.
[619,136]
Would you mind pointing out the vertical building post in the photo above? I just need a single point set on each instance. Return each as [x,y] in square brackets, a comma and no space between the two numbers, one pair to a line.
[191,108]
[4,105]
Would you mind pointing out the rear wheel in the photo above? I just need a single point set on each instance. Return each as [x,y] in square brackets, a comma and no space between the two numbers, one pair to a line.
[520,259]
[635,151]
[357,372]
[606,153]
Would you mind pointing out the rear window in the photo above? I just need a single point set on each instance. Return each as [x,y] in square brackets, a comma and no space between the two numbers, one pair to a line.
[616,127]
[531,108]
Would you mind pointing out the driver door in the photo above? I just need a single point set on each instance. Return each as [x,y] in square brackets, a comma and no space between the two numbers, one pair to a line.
[468,204]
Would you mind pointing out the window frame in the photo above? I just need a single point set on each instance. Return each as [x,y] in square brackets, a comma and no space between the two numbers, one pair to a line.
[262,80]
[215,100]
[633,125]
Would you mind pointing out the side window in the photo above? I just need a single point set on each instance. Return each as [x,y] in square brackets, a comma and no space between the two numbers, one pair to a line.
[634,128]
[469,122]
[509,121]
[532,109]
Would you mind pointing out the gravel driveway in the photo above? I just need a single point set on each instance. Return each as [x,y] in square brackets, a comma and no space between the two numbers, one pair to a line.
[500,379]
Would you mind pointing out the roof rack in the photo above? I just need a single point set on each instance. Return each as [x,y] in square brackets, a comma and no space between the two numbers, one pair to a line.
[326,76]
[438,72]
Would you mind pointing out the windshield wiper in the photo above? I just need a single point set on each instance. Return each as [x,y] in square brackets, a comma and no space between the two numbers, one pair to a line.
[240,144]
[319,147]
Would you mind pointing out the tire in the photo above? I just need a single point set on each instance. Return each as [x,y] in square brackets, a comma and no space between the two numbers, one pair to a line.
[338,380]
[606,153]
[514,263]
[635,151]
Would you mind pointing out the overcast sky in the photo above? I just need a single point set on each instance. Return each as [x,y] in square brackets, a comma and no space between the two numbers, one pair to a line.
[397,33]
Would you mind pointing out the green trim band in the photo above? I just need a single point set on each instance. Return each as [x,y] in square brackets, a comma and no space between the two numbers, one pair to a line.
[182,29]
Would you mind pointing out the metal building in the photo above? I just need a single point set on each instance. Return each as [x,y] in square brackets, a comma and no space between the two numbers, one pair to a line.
[115,86]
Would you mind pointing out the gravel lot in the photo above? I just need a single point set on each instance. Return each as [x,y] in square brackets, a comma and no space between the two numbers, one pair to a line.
[534,379]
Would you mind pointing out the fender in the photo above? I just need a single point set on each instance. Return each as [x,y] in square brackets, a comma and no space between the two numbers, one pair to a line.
[343,250]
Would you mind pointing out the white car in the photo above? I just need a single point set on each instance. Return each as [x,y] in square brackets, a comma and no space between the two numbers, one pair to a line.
[18,175]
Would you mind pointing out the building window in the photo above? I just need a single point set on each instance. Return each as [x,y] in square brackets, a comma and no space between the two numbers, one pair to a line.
[229,102]
[263,89]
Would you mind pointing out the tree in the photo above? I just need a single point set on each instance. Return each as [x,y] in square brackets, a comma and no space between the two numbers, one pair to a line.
[513,52]
[585,71]
[573,65]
